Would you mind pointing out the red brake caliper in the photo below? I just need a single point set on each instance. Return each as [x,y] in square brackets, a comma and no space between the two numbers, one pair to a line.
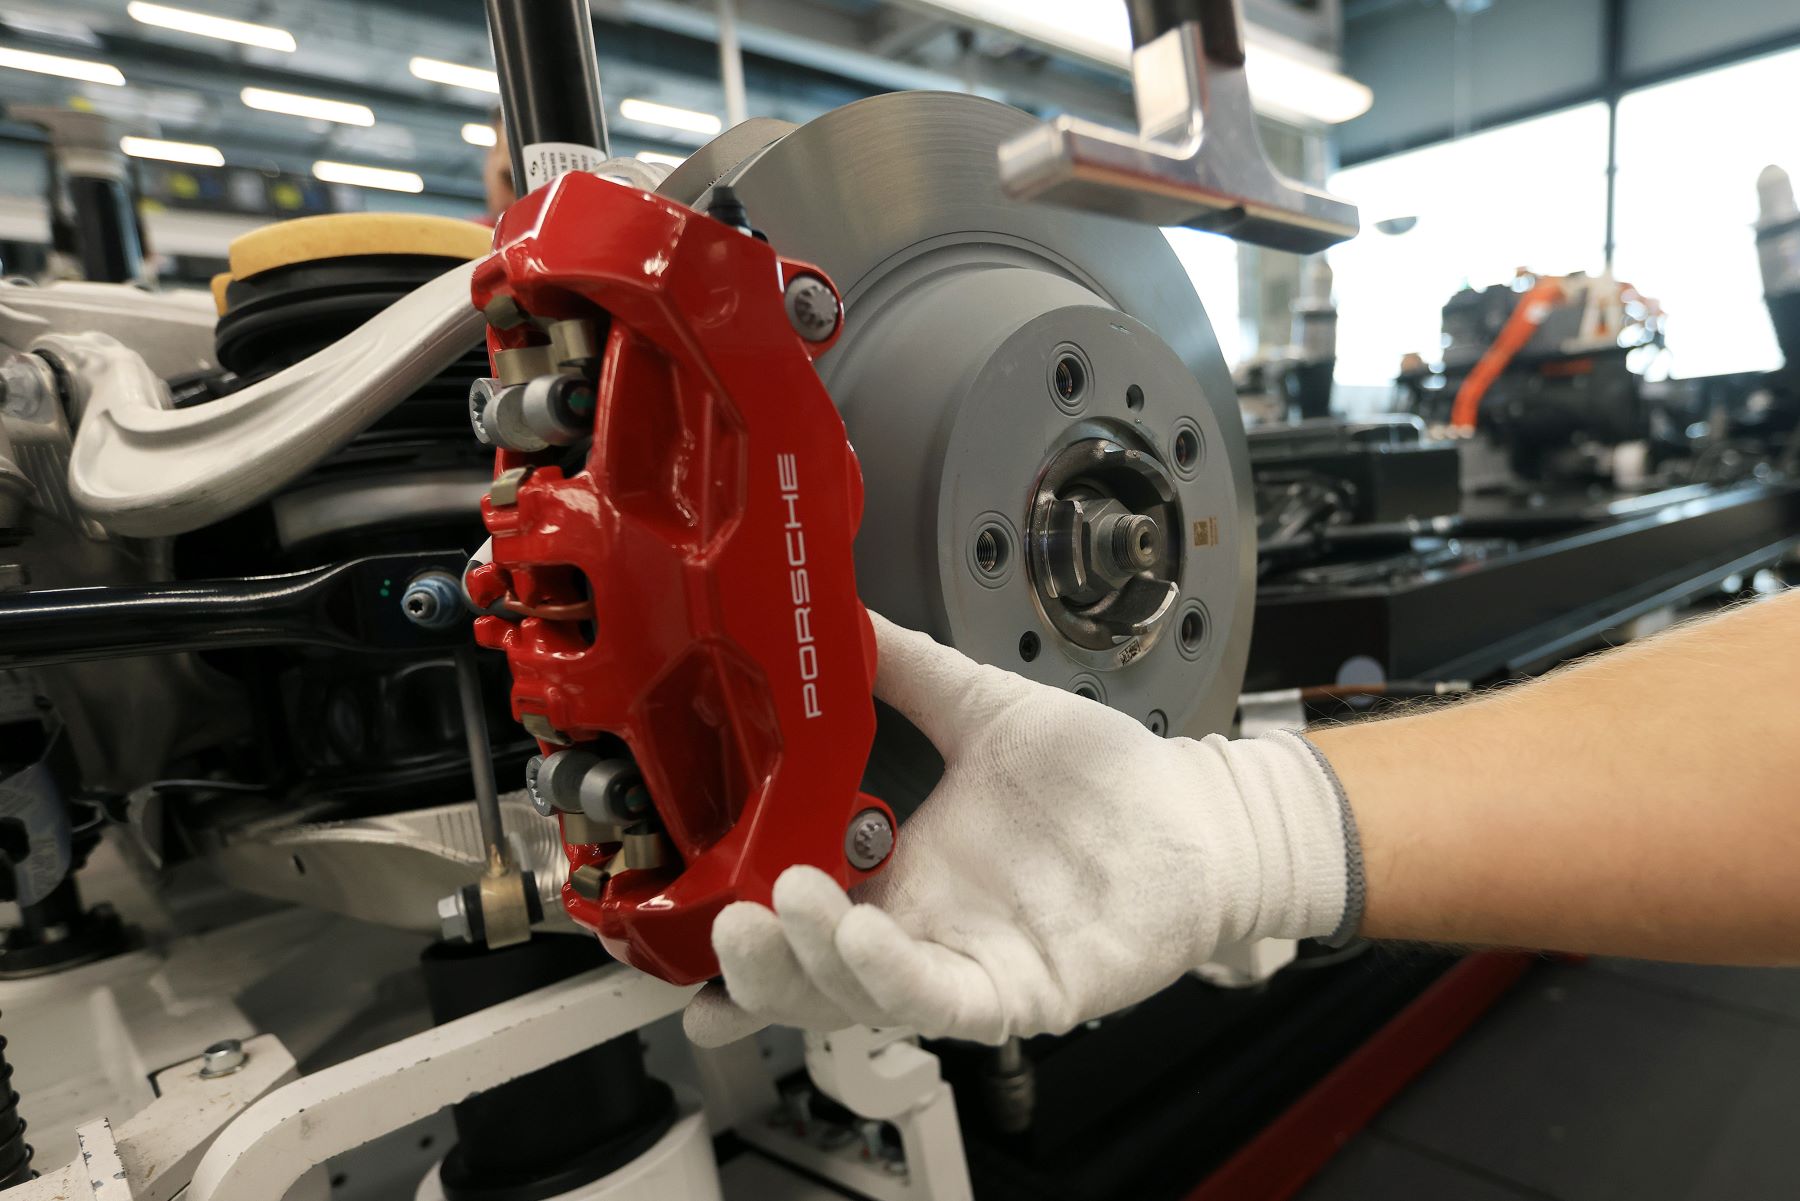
[680,609]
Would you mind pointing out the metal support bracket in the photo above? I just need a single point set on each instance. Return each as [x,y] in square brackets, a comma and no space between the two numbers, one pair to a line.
[879,1075]
[150,1155]
[1196,159]
[327,1113]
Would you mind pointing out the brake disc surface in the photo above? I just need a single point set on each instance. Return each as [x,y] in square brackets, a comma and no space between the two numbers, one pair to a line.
[1055,466]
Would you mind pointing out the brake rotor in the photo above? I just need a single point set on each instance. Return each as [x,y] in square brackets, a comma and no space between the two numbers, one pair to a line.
[1055,466]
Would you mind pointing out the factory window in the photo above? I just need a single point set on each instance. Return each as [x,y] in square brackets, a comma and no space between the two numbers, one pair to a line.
[1689,153]
[1211,261]
[1531,194]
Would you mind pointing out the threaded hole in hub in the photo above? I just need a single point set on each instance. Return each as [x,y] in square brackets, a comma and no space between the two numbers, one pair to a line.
[1029,646]
[1134,398]
[992,549]
[1070,378]
[1087,692]
[1193,630]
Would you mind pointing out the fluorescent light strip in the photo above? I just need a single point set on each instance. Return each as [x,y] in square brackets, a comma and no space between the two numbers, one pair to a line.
[172,152]
[476,134]
[476,79]
[651,156]
[1286,81]
[65,68]
[667,115]
[368,177]
[204,25]
[295,105]
[1279,78]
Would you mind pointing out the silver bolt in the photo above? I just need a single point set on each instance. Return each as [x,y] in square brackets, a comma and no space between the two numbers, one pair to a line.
[812,308]
[869,839]
[222,1059]
[1134,541]
[539,801]
[453,918]
[433,601]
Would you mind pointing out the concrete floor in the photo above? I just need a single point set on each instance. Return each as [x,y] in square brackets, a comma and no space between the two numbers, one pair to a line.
[1611,1080]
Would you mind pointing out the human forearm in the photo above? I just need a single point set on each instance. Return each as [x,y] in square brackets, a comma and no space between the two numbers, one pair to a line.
[1643,802]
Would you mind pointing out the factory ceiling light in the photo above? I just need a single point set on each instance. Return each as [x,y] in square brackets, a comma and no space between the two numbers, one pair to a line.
[477,134]
[295,105]
[56,64]
[368,177]
[1290,83]
[648,112]
[476,79]
[172,152]
[1290,78]
[207,26]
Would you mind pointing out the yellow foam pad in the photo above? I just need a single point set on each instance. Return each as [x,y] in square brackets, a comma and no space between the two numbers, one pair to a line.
[220,282]
[343,235]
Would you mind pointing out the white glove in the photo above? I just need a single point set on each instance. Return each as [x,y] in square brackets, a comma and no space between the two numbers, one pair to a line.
[1069,863]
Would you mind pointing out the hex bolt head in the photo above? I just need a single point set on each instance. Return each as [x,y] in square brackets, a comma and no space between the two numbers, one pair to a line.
[812,308]
[869,840]
[433,601]
[453,918]
[222,1059]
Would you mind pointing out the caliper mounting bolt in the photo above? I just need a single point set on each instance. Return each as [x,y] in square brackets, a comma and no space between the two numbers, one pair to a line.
[812,308]
[869,840]
[433,601]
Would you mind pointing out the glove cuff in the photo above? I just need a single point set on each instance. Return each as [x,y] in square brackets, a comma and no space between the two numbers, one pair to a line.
[1310,879]
[1354,881]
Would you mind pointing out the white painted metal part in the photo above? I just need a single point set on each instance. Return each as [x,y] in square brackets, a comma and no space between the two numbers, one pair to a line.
[880,1075]
[262,1153]
[143,468]
[151,1154]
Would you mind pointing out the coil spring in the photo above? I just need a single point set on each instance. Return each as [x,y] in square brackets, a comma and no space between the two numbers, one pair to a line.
[15,1152]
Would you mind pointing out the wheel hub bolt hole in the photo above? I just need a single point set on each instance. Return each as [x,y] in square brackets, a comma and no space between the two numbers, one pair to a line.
[992,550]
[1071,377]
[1187,449]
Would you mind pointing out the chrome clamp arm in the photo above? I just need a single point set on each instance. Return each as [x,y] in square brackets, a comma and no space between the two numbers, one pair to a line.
[1196,160]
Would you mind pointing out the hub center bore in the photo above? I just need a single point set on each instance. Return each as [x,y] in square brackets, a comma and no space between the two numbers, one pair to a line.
[1105,551]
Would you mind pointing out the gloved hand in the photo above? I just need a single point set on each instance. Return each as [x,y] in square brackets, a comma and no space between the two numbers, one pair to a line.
[1068,864]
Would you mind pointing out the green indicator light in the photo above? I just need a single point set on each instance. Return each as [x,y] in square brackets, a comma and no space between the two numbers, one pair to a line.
[384,592]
